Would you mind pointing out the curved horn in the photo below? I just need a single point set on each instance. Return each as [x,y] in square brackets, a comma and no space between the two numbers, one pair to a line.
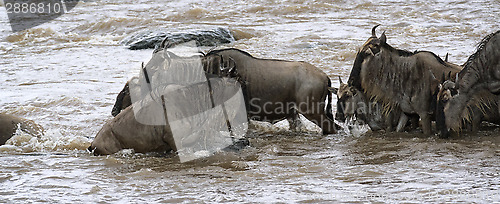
[340,80]
[446,58]
[373,31]
[383,38]
[162,45]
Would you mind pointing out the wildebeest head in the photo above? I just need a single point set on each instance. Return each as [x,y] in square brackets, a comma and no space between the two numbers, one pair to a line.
[122,100]
[216,64]
[370,48]
[446,91]
[373,44]
[347,101]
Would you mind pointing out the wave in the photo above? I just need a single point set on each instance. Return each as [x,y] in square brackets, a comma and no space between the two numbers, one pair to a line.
[52,140]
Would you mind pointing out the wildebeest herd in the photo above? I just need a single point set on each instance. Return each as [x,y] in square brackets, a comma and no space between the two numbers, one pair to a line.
[388,89]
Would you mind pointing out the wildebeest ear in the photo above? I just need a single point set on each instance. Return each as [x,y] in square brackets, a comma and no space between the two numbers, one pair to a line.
[383,38]
[333,90]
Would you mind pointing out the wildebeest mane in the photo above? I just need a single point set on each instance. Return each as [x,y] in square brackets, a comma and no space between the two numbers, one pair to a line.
[354,78]
[480,51]
[243,52]
[406,53]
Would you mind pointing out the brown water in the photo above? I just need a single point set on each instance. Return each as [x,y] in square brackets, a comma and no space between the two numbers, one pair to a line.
[65,75]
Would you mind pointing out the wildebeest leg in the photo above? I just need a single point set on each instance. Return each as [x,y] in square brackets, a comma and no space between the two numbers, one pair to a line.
[476,120]
[414,119]
[388,122]
[426,122]
[294,120]
[403,119]
[321,120]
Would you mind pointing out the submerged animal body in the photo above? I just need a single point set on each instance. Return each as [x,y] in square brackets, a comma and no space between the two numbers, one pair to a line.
[278,89]
[400,80]
[481,73]
[10,123]
[180,129]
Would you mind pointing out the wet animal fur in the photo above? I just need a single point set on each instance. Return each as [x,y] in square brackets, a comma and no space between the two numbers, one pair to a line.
[481,73]
[398,79]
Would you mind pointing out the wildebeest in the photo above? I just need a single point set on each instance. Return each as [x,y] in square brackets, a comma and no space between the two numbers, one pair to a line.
[273,89]
[279,89]
[353,104]
[482,106]
[398,79]
[481,73]
[126,131]
[9,124]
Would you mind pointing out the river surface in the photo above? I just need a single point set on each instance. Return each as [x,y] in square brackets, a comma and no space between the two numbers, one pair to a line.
[66,74]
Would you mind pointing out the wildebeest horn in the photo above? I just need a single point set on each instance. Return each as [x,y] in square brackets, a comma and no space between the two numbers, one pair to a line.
[165,43]
[373,31]
[456,78]
[340,80]
[446,57]
[383,38]
[162,44]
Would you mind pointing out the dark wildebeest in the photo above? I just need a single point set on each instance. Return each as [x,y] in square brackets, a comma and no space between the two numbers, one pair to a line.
[481,73]
[400,80]
[273,89]
[482,106]
[9,124]
[353,104]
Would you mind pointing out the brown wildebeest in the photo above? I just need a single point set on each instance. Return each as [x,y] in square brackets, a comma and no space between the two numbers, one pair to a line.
[273,89]
[398,79]
[125,131]
[279,89]
[481,73]
[10,123]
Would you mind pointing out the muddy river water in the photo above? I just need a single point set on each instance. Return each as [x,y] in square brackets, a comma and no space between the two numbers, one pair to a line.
[65,75]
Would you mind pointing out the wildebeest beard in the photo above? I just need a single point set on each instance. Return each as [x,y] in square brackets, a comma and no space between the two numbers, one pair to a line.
[481,72]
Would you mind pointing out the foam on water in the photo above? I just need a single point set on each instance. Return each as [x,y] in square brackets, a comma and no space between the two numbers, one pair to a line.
[65,75]
[51,141]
